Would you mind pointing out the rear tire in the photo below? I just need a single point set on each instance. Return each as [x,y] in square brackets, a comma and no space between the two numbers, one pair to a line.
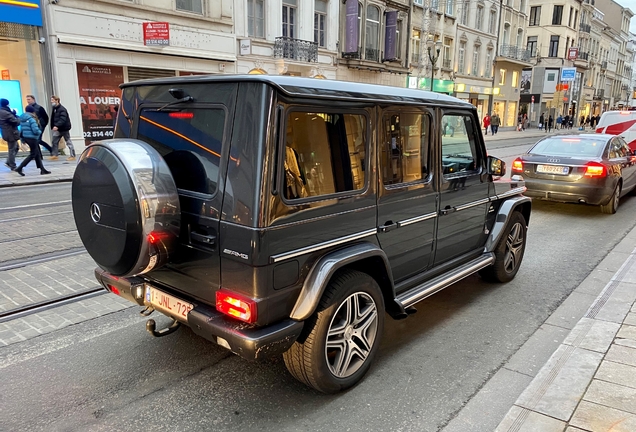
[612,205]
[344,334]
[509,252]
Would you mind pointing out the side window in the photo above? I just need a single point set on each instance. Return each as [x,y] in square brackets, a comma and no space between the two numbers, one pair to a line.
[617,150]
[324,154]
[190,141]
[459,150]
[405,148]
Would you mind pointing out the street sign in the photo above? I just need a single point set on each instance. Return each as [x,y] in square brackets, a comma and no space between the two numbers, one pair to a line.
[573,53]
[156,33]
[568,74]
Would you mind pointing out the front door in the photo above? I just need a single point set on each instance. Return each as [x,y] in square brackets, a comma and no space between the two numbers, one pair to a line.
[463,187]
[407,197]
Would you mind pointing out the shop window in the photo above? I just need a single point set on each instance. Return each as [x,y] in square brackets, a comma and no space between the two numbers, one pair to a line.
[255,18]
[324,154]
[405,148]
[459,151]
[195,6]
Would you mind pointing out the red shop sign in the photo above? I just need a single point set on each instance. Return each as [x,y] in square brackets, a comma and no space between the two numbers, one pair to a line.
[5,74]
[156,33]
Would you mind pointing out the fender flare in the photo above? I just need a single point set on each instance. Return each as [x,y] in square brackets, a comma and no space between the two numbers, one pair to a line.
[322,271]
[503,214]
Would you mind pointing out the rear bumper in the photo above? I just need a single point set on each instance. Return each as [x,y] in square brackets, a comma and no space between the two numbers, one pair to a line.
[245,340]
[594,194]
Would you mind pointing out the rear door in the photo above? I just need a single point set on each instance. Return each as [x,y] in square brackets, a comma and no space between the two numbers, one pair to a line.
[464,188]
[192,138]
[407,201]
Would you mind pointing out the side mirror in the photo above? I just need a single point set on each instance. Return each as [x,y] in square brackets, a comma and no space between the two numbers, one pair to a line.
[496,167]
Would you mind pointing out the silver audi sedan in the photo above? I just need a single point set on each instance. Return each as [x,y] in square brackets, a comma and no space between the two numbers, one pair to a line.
[596,169]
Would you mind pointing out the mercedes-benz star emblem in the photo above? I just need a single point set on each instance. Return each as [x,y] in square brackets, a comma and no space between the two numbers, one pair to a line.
[96,212]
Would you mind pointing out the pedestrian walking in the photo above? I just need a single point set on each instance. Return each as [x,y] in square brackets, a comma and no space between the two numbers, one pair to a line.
[9,125]
[582,122]
[43,119]
[541,121]
[31,133]
[60,125]
[524,123]
[495,121]
[566,121]
[486,123]
[550,123]
[559,121]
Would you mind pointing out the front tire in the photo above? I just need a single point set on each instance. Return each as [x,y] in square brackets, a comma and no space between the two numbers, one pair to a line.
[612,205]
[344,334]
[509,252]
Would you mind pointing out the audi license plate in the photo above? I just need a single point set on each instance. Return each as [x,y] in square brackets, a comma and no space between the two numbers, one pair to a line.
[553,169]
[168,304]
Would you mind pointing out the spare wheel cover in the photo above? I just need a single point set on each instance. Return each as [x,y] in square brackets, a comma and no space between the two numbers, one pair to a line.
[126,206]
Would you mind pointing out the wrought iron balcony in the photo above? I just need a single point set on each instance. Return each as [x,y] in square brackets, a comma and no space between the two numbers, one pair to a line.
[604,65]
[295,49]
[583,56]
[600,94]
[585,28]
[514,52]
[446,64]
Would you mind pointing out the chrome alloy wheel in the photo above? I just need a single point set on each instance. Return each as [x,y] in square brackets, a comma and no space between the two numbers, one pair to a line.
[514,248]
[352,333]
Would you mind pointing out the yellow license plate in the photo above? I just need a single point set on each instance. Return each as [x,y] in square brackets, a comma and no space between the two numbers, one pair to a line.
[168,304]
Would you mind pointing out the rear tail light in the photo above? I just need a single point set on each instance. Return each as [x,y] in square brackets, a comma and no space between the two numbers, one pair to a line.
[517,165]
[595,169]
[113,289]
[236,306]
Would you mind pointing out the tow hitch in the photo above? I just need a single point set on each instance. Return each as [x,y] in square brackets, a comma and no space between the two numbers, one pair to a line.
[151,326]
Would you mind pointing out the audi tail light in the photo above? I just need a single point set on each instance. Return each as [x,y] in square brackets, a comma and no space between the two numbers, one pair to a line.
[517,165]
[595,169]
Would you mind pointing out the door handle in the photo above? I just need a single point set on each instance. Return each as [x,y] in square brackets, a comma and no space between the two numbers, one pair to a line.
[205,239]
[448,209]
[388,226]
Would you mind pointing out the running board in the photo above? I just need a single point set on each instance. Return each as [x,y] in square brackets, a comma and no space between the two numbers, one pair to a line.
[445,280]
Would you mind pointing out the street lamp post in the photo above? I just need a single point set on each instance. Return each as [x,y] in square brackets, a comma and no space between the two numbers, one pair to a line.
[433,58]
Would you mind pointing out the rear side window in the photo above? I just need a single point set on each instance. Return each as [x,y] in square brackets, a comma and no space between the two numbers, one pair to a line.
[324,154]
[190,140]
[405,148]
[459,150]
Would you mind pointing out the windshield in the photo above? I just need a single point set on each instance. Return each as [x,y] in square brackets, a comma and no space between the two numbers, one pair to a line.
[569,147]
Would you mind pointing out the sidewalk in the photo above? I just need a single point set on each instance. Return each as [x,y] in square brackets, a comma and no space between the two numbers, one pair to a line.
[511,132]
[61,171]
[577,372]
[589,383]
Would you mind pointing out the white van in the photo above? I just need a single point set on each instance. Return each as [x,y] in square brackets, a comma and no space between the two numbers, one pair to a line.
[621,123]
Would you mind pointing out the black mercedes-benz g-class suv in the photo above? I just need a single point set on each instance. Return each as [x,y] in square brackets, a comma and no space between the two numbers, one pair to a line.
[276,214]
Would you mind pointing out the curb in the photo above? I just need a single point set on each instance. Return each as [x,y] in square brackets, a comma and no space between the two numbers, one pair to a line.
[35,182]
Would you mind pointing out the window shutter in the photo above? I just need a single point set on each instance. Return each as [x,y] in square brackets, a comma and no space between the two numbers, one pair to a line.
[137,73]
[351,27]
[390,40]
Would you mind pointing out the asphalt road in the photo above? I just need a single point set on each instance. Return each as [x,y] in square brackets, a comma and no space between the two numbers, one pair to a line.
[109,374]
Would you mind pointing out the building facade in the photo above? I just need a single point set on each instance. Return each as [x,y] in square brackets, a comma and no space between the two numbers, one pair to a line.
[513,57]
[97,45]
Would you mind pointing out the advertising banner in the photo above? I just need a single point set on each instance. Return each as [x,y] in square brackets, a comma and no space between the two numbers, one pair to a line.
[526,80]
[156,33]
[99,96]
